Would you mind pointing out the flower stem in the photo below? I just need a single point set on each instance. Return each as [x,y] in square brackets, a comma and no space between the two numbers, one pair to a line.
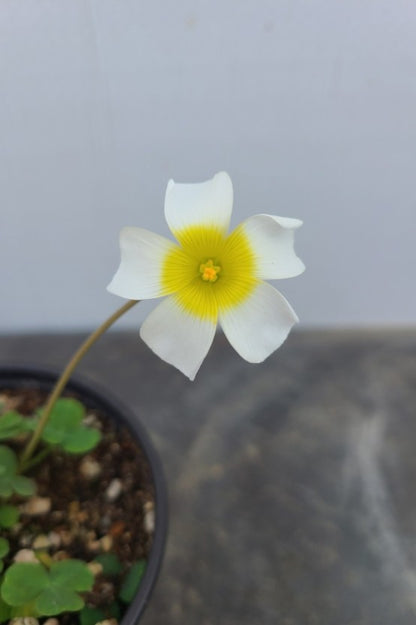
[66,374]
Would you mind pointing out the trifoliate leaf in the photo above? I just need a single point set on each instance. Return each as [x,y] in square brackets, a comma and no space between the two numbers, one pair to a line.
[65,417]
[50,591]
[65,428]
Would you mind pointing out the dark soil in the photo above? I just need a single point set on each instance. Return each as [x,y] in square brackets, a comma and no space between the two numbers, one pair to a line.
[86,522]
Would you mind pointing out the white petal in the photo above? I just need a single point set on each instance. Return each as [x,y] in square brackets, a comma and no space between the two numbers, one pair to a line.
[177,337]
[272,240]
[139,273]
[260,324]
[204,203]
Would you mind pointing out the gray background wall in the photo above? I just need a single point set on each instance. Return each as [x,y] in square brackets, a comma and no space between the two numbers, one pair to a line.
[308,104]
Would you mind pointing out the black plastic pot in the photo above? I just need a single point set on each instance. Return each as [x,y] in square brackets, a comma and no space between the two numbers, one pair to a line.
[13,377]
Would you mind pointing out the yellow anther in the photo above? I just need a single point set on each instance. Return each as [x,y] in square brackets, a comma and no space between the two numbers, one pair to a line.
[209,272]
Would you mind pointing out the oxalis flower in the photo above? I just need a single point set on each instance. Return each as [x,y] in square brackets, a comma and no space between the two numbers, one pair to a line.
[210,276]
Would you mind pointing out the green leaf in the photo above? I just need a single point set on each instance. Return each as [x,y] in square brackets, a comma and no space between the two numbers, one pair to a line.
[6,490]
[4,547]
[12,424]
[23,486]
[65,428]
[28,609]
[81,440]
[10,482]
[65,417]
[53,435]
[23,582]
[56,599]
[9,515]
[110,563]
[91,616]
[31,423]
[8,461]
[73,574]
[5,611]
[132,581]
[50,591]
[67,413]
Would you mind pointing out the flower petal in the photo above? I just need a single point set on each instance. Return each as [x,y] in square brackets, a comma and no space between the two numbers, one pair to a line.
[272,240]
[203,204]
[140,270]
[179,338]
[260,324]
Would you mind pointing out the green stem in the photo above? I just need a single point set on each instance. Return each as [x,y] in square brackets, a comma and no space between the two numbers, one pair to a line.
[32,462]
[66,374]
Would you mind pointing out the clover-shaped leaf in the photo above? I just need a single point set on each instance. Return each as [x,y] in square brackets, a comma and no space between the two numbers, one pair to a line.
[10,481]
[12,424]
[49,591]
[65,427]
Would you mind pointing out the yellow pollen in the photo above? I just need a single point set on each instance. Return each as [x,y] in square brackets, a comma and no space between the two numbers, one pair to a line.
[209,272]
[201,284]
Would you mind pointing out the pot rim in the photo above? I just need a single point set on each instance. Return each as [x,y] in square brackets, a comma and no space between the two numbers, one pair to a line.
[16,374]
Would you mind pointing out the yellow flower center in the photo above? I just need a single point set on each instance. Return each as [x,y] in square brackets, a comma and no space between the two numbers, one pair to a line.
[209,272]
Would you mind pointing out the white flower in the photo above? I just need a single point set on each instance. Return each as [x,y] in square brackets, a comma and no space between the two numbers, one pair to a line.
[210,276]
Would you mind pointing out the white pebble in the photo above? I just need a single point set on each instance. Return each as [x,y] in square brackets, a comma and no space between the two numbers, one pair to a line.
[41,542]
[37,506]
[114,489]
[149,517]
[51,621]
[54,539]
[95,567]
[91,421]
[24,620]
[106,542]
[90,468]
[25,555]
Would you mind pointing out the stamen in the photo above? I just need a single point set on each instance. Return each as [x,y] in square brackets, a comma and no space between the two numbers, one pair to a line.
[209,272]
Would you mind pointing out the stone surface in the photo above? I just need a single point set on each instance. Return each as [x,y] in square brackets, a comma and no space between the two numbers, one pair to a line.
[292,497]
